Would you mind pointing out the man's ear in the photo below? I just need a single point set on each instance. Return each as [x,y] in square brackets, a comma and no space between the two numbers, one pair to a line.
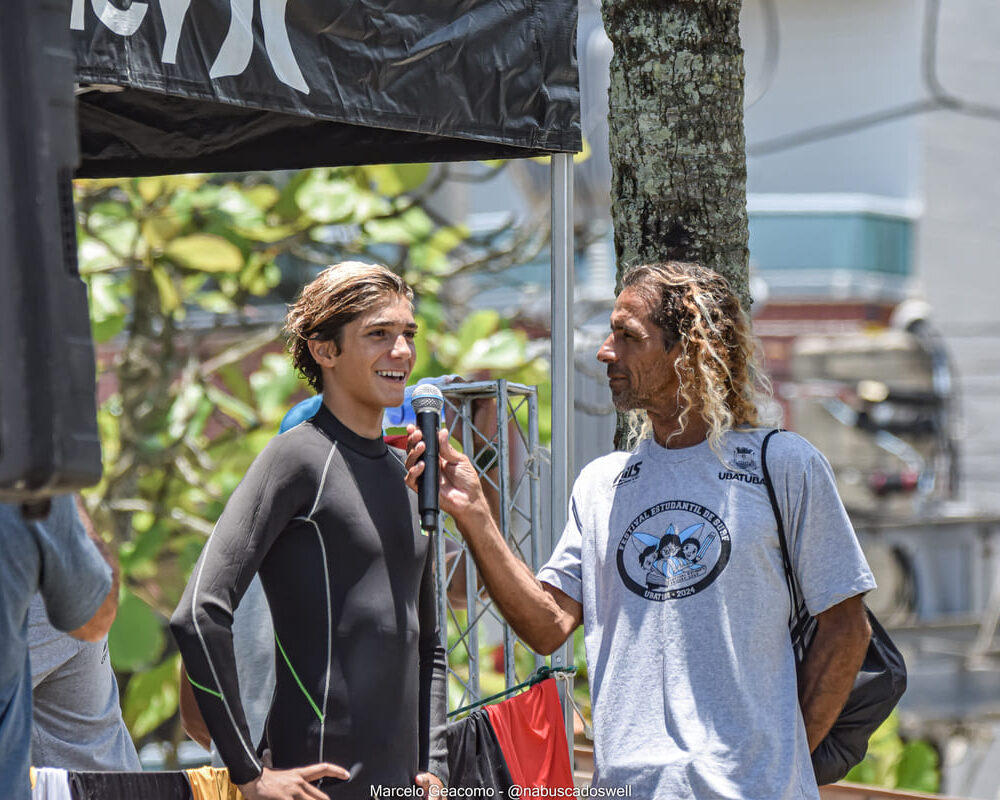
[324,351]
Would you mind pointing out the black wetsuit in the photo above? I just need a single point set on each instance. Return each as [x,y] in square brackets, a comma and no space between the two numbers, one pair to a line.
[325,518]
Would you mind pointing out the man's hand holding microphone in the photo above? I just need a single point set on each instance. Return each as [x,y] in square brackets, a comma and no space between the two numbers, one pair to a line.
[443,478]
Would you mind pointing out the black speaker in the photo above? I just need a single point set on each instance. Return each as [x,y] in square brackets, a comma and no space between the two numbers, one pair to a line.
[48,416]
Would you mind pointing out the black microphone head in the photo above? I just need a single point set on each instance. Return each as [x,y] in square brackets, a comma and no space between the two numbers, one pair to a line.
[427,397]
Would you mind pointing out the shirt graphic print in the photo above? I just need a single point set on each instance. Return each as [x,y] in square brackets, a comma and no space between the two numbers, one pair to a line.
[673,549]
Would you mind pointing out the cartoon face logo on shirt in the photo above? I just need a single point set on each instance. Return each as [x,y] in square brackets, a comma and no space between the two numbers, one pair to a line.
[673,550]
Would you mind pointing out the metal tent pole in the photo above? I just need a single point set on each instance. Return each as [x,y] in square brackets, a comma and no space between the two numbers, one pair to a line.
[561,170]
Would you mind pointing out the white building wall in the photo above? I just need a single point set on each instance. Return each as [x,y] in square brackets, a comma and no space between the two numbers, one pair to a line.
[822,64]
[958,241]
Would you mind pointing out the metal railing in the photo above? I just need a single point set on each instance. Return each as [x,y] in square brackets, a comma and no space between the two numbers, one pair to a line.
[496,423]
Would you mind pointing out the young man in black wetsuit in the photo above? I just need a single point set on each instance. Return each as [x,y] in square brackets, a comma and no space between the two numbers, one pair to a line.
[325,518]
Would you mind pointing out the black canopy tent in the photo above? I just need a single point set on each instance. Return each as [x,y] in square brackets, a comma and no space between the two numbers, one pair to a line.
[228,85]
[166,86]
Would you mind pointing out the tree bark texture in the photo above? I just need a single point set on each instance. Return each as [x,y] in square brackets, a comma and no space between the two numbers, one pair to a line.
[677,148]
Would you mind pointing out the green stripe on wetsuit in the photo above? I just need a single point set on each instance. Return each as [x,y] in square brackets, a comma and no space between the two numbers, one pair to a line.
[295,675]
[197,685]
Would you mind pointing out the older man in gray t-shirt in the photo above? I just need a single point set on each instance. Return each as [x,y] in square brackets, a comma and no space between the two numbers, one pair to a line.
[672,562]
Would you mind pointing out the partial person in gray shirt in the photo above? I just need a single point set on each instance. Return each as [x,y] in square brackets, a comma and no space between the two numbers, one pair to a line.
[77,722]
[73,573]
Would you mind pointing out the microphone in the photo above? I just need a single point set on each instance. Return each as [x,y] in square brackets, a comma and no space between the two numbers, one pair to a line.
[427,403]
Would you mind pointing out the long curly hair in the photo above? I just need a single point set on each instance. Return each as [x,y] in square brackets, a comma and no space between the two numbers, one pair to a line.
[719,367]
[337,296]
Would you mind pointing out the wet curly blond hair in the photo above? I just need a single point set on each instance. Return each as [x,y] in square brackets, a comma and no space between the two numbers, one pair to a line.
[337,296]
[719,367]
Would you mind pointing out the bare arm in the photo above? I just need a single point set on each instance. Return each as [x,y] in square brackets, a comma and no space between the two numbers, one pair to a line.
[271,783]
[832,663]
[540,614]
[191,719]
[98,625]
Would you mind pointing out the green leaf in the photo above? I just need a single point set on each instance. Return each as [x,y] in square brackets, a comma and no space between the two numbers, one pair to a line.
[449,237]
[107,312]
[206,252]
[235,381]
[917,769]
[215,302]
[149,189]
[234,202]
[204,197]
[95,256]
[260,275]
[107,329]
[151,698]
[170,299]
[107,212]
[504,350]
[159,230]
[370,204]
[426,259]
[263,195]
[395,179]
[478,325]
[231,406]
[286,209]
[326,199]
[413,225]
[144,548]
[118,234]
[136,638]
[183,410]
[273,384]
[268,232]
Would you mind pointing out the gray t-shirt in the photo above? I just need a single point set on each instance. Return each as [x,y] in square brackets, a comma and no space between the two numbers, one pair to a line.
[56,557]
[675,558]
[77,722]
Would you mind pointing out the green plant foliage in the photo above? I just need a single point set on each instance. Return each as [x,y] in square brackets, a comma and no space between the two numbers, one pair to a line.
[893,763]
[151,698]
[136,640]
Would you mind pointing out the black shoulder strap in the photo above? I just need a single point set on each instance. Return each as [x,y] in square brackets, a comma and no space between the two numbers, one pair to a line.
[773,497]
[800,624]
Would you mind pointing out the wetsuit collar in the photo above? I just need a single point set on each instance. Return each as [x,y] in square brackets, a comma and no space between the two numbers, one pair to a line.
[336,430]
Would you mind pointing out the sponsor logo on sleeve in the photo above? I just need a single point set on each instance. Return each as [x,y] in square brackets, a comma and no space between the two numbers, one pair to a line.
[627,475]
[744,459]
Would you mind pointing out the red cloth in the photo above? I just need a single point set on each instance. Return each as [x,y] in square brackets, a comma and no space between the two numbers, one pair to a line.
[396,441]
[532,734]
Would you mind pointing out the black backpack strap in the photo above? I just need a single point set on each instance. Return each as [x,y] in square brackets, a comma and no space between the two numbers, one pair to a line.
[801,626]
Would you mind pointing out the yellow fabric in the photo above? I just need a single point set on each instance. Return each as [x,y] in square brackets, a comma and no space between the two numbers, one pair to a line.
[34,777]
[212,783]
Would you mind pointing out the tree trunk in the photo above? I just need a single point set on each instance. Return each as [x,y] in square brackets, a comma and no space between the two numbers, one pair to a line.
[676,135]
[678,156]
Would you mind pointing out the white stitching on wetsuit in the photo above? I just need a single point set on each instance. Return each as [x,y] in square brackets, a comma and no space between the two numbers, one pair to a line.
[208,658]
[329,602]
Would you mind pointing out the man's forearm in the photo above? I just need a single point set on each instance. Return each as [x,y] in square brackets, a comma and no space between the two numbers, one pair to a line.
[191,719]
[530,609]
[831,665]
[100,623]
